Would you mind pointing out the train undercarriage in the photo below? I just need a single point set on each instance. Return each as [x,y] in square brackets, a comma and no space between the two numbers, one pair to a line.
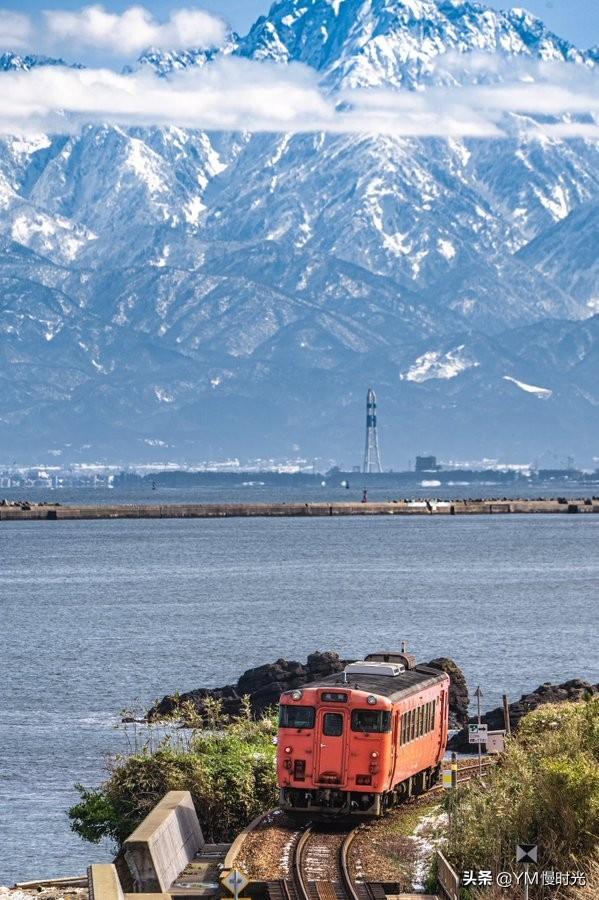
[328,802]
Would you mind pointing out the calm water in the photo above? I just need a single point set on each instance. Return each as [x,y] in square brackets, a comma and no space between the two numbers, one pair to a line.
[241,491]
[97,614]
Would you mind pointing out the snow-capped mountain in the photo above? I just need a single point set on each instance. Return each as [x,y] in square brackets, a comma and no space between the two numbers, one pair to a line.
[359,43]
[237,292]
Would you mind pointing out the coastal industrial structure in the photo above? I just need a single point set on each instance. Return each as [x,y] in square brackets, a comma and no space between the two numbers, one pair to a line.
[372,455]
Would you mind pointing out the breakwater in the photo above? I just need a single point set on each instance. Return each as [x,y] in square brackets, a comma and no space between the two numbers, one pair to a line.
[46,512]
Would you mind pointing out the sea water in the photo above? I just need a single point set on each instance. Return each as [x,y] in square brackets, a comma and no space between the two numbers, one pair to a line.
[98,616]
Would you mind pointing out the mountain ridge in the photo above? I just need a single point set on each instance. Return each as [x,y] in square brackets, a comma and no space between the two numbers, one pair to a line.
[170,291]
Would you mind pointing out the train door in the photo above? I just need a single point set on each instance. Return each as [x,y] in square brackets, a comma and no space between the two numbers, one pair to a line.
[331,750]
[395,746]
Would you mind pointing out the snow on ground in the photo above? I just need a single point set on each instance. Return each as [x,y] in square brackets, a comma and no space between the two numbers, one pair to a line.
[446,249]
[540,392]
[433,364]
[427,838]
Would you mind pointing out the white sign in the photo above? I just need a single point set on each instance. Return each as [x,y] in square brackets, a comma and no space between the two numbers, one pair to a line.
[477,734]
[447,779]
[496,742]
[235,881]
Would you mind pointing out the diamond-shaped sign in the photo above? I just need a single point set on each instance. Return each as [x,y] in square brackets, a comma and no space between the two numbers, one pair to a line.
[235,881]
[526,853]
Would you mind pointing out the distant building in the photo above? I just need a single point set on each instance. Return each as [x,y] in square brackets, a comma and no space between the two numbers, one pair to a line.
[427,464]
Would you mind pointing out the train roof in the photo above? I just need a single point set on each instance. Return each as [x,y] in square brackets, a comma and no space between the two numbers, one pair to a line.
[407,682]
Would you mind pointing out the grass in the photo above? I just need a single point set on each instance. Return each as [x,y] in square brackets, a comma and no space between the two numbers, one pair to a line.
[544,791]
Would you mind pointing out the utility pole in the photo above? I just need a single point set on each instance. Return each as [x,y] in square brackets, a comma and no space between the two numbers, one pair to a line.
[478,694]
[506,715]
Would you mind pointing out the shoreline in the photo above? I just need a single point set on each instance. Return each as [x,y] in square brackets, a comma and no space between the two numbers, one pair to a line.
[23,511]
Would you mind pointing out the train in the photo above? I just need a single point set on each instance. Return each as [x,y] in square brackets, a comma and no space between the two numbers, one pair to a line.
[362,741]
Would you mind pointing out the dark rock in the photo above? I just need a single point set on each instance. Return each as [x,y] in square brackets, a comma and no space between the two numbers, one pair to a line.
[458,691]
[326,663]
[575,689]
[265,684]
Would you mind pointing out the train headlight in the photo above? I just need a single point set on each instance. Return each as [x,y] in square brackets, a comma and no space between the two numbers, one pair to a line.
[371,699]
[296,695]
[288,749]
[374,755]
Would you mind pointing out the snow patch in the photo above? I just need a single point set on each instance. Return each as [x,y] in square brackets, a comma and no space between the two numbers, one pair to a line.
[433,364]
[144,163]
[427,839]
[540,392]
[162,260]
[446,249]
[193,209]
[163,396]
[557,203]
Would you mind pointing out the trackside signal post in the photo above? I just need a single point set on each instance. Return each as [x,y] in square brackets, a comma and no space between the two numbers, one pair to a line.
[235,882]
[527,854]
[478,694]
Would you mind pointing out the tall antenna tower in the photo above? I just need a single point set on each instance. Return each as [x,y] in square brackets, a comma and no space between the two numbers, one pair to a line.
[372,456]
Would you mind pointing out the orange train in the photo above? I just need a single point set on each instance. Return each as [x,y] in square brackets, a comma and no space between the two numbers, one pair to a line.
[360,742]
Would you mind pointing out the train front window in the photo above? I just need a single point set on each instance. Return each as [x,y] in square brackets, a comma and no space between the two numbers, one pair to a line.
[296,716]
[332,725]
[372,721]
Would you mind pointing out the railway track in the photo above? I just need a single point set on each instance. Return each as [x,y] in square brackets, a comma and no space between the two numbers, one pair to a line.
[465,773]
[321,871]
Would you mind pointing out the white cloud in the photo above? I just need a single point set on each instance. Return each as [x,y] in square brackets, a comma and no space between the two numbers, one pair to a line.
[234,94]
[15,30]
[135,29]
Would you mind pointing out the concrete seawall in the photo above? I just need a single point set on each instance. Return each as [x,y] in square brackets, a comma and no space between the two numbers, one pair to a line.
[232,510]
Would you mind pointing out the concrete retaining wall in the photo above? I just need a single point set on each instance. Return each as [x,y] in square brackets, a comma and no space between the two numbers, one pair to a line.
[103,882]
[165,842]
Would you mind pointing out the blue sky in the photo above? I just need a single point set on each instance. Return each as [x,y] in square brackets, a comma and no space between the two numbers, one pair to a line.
[577,20]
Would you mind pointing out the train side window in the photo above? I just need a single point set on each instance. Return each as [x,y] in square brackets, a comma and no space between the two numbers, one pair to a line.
[373,721]
[434,705]
[427,718]
[296,716]
[332,725]
[419,721]
[412,724]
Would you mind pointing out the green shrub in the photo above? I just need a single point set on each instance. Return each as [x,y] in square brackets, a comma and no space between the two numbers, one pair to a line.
[544,790]
[229,768]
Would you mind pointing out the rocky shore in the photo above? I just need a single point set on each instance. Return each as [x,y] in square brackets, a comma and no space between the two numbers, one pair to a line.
[42,892]
[264,685]
[575,689]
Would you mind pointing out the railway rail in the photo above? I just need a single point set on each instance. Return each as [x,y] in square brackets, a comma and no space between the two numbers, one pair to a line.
[319,867]
[325,849]
[466,773]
